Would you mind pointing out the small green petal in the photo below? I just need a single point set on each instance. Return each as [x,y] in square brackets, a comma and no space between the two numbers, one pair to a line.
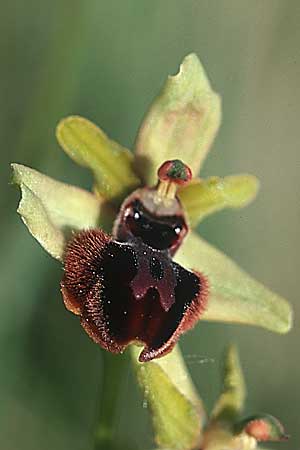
[181,122]
[263,427]
[110,163]
[203,197]
[234,295]
[177,412]
[231,400]
[51,209]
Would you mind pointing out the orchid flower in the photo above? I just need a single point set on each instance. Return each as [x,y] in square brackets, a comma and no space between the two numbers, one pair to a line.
[180,125]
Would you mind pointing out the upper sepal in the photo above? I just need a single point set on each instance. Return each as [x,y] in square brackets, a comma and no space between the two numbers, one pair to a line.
[234,295]
[181,122]
[51,209]
[90,147]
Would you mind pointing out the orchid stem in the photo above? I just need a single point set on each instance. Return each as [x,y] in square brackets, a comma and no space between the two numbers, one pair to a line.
[113,370]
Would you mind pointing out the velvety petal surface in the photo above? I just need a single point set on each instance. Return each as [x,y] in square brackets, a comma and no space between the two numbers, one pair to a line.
[90,147]
[51,209]
[203,197]
[234,295]
[181,122]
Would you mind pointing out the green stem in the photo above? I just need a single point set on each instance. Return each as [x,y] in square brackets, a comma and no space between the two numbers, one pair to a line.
[113,370]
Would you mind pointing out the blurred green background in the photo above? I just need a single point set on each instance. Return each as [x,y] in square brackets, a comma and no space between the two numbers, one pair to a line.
[106,60]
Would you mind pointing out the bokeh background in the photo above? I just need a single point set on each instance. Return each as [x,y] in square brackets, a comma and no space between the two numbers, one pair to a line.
[106,61]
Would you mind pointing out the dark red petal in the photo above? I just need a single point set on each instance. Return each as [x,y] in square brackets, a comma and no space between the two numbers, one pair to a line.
[94,322]
[155,270]
[191,295]
[102,284]
[97,276]
[81,262]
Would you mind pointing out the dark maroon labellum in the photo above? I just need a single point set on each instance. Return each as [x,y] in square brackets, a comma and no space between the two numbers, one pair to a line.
[125,287]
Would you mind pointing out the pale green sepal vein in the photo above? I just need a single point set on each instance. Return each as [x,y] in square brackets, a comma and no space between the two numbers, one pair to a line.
[51,209]
[110,163]
[234,295]
[181,122]
[203,197]
[176,410]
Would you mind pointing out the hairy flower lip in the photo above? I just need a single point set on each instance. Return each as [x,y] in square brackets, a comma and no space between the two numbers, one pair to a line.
[87,294]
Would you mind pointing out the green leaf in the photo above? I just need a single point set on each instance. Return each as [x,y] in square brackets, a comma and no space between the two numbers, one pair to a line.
[51,209]
[234,295]
[177,412]
[231,401]
[110,163]
[203,197]
[181,122]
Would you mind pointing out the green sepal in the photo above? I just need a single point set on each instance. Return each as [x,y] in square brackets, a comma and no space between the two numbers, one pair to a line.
[110,163]
[263,427]
[51,210]
[181,122]
[176,410]
[203,197]
[234,296]
[231,401]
